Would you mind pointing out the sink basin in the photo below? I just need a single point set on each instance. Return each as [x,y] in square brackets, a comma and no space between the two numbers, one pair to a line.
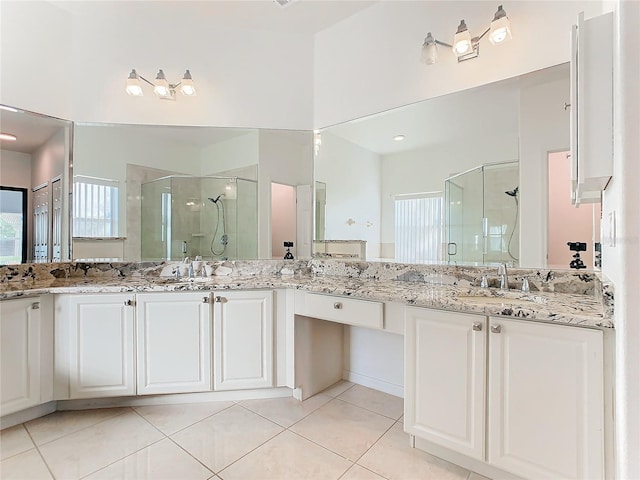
[498,300]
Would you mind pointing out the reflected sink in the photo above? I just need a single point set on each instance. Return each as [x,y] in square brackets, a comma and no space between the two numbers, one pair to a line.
[500,300]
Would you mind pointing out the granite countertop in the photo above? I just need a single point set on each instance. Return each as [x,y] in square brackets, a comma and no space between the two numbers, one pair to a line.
[563,308]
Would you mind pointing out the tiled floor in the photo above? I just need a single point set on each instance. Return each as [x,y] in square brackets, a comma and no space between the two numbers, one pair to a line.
[348,432]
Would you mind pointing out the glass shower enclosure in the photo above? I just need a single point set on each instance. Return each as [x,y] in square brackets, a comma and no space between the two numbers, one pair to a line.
[482,215]
[212,217]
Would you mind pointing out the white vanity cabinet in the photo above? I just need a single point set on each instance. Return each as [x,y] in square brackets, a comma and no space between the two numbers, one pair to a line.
[20,354]
[173,342]
[520,396]
[243,333]
[95,345]
[545,400]
[591,119]
[445,371]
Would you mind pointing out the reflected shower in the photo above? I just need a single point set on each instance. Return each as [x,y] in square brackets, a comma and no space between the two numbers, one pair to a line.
[224,239]
[513,193]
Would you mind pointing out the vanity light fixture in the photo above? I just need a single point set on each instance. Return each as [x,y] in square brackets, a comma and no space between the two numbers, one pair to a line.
[7,136]
[466,47]
[161,87]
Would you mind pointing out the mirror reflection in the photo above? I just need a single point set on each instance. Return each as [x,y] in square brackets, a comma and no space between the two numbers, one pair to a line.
[168,192]
[455,178]
[35,151]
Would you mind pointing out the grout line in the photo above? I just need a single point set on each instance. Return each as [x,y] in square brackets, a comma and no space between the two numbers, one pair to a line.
[251,451]
[190,425]
[39,452]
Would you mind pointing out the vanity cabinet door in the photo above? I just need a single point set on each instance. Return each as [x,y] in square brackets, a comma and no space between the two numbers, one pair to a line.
[545,400]
[174,342]
[445,371]
[243,339]
[95,336]
[20,354]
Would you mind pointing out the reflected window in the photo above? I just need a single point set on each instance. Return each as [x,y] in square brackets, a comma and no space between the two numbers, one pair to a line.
[95,207]
[13,225]
[418,227]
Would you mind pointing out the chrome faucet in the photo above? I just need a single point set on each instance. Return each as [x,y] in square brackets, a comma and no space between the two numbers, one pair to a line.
[504,280]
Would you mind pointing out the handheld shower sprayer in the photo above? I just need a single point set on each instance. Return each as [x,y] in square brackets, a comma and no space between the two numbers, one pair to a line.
[215,201]
[513,193]
[224,239]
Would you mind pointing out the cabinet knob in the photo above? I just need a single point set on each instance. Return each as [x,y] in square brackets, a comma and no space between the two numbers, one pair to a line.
[337,305]
[129,303]
[35,306]
[206,299]
[477,326]
[220,300]
[496,328]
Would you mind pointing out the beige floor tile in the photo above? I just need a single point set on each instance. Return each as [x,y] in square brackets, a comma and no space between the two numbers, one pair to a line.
[286,411]
[338,388]
[477,476]
[24,466]
[88,450]
[392,458]
[223,438]
[13,441]
[161,461]
[374,400]
[59,424]
[285,457]
[360,473]
[171,418]
[343,428]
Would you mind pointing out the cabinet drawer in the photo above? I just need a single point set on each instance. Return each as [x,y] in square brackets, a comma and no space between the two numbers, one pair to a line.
[362,313]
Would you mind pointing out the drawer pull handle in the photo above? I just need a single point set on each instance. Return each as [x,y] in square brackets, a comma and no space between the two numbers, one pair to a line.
[477,326]
[337,305]
[496,328]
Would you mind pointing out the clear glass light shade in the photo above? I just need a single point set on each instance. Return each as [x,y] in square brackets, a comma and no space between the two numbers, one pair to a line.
[462,40]
[133,87]
[429,50]
[500,30]
[186,85]
[161,86]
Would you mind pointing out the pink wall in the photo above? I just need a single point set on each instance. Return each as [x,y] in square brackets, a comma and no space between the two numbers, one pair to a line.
[283,218]
[566,222]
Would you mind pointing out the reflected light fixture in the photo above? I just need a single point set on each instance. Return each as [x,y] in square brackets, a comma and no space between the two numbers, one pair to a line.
[399,138]
[8,136]
[161,87]
[466,47]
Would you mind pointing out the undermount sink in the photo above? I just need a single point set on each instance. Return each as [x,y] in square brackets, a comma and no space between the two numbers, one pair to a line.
[499,300]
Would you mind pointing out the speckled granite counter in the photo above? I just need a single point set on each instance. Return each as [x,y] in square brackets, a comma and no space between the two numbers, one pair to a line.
[560,297]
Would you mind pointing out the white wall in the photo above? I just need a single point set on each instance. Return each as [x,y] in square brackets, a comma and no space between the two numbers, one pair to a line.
[48,160]
[377,52]
[36,71]
[353,178]
[544,127]
[232,154]
[621,260]
[15,169]
[283,158]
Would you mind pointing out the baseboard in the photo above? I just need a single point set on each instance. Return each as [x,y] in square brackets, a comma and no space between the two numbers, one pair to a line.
[375,383]
[28,414]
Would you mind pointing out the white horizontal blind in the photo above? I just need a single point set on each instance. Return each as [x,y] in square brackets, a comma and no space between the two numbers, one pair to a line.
[418,227]
[95,207]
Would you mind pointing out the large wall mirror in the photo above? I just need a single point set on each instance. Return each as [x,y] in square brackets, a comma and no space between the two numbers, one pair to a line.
[35,152]
[458,179]
[150,192]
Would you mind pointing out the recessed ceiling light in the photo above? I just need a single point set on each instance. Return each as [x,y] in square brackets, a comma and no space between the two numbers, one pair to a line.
[8,136]
[398,138]
[9,109]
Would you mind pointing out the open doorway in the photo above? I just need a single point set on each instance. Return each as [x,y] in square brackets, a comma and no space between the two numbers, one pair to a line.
[283,219]
[568,223]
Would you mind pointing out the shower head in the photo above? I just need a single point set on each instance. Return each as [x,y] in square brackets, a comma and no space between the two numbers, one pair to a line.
[215,200]
[512,193]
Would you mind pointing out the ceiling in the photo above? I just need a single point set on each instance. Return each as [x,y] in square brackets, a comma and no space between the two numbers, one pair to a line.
[31,129]
[299,16]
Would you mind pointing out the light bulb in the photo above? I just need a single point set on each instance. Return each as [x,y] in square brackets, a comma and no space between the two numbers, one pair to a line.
[186,85]
[161,86]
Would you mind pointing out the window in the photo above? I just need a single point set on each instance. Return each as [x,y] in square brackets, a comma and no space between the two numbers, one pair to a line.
[13,225]
[418,227]
[95,207]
